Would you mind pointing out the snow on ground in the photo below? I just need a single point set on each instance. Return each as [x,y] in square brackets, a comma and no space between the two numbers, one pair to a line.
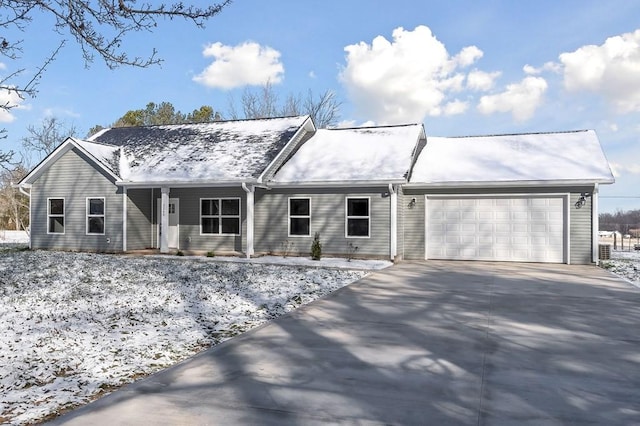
[76,325]
[625,264]
[13,237]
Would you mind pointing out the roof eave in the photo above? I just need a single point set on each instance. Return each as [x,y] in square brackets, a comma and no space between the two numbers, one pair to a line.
[337,183]
[510,183]
[186,184]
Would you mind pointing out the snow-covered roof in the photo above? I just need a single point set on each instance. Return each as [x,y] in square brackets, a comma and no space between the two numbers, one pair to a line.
[354,155]
[541,157]
[219,151]
[107,155]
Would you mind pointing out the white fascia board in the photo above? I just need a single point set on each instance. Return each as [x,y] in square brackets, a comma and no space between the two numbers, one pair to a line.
[336,184]
[46,162]
[495,184]
[307,126]
[62,149]
[185,184]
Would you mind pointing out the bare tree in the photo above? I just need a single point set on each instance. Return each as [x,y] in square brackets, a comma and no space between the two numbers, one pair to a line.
[14,206]
[42,140]
[99,27]
[264,103]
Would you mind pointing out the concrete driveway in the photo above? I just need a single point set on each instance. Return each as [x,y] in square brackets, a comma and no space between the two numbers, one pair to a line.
[420,343]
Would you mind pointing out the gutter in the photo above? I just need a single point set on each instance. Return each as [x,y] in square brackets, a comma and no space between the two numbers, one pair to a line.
[509,183]
[337,184]
[186,184]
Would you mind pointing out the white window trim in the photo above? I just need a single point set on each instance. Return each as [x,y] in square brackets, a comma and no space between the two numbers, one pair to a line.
[290,216]
[347,217]
[63,215]
[88,215]
[220,216]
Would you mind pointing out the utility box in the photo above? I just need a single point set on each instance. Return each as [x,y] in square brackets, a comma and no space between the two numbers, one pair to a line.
[604,251]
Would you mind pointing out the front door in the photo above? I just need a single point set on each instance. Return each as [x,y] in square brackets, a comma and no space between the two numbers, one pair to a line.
[174,216]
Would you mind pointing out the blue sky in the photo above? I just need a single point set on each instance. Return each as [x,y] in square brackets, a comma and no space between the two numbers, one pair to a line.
[460,67]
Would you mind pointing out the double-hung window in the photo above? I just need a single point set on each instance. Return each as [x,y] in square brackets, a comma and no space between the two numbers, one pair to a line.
[55,215]
[299,217]
[220,216]
[95,216]
[358,217]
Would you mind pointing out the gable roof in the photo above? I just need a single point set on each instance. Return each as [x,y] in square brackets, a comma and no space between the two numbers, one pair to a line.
[208,152]
[104,157]
[364,154]
[551,158]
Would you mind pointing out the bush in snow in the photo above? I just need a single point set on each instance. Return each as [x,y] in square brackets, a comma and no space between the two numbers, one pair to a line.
[316,247]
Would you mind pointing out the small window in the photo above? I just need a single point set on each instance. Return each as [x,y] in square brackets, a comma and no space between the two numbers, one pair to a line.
[220,216]
[299,217]
[358,218]
[55,215]
[95,216]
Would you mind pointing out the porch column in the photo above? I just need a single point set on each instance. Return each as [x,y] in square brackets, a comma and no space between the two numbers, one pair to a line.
[595,253]
[164,220]
[393,232]
[250,190]
[124,218]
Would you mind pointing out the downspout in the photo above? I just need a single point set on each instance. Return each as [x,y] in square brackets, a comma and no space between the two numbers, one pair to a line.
[28,194]
[595,222]
[124,218]
[250,190]
[393,249]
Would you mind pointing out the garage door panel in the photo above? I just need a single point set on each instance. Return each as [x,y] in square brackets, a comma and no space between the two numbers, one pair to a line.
[517,228]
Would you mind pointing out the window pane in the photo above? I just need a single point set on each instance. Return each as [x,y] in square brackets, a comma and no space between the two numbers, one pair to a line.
[358,207]
[358,227]
[298,207]
[230,207]
[96,225]
[96,206]
[299,226]
[210,225]
[209,207]
[56,225]
[56,206]
[230,225]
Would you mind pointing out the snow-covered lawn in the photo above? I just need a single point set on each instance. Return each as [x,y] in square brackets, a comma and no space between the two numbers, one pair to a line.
[76,325]
[625,264]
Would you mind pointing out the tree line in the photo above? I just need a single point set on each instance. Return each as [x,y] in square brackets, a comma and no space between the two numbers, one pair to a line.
[625,222]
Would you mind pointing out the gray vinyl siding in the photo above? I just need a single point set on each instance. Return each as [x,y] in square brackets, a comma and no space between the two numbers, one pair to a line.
[580,226]
[413,228]
[74,178]
[139,226]
[400,224]
[189,219]
[581,229]
[327,217]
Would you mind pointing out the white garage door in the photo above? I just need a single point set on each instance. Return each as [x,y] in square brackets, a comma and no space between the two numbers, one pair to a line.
[519,229]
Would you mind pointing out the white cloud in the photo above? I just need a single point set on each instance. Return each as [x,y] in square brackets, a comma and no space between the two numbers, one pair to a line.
[619,169]
[521,99]
[312,74]
[548,66]
[245,64]
[481,80]
[12,101]
[611,70]
[405,79]
[455,107]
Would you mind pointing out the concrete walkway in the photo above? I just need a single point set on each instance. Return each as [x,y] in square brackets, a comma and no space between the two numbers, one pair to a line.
[420,343]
